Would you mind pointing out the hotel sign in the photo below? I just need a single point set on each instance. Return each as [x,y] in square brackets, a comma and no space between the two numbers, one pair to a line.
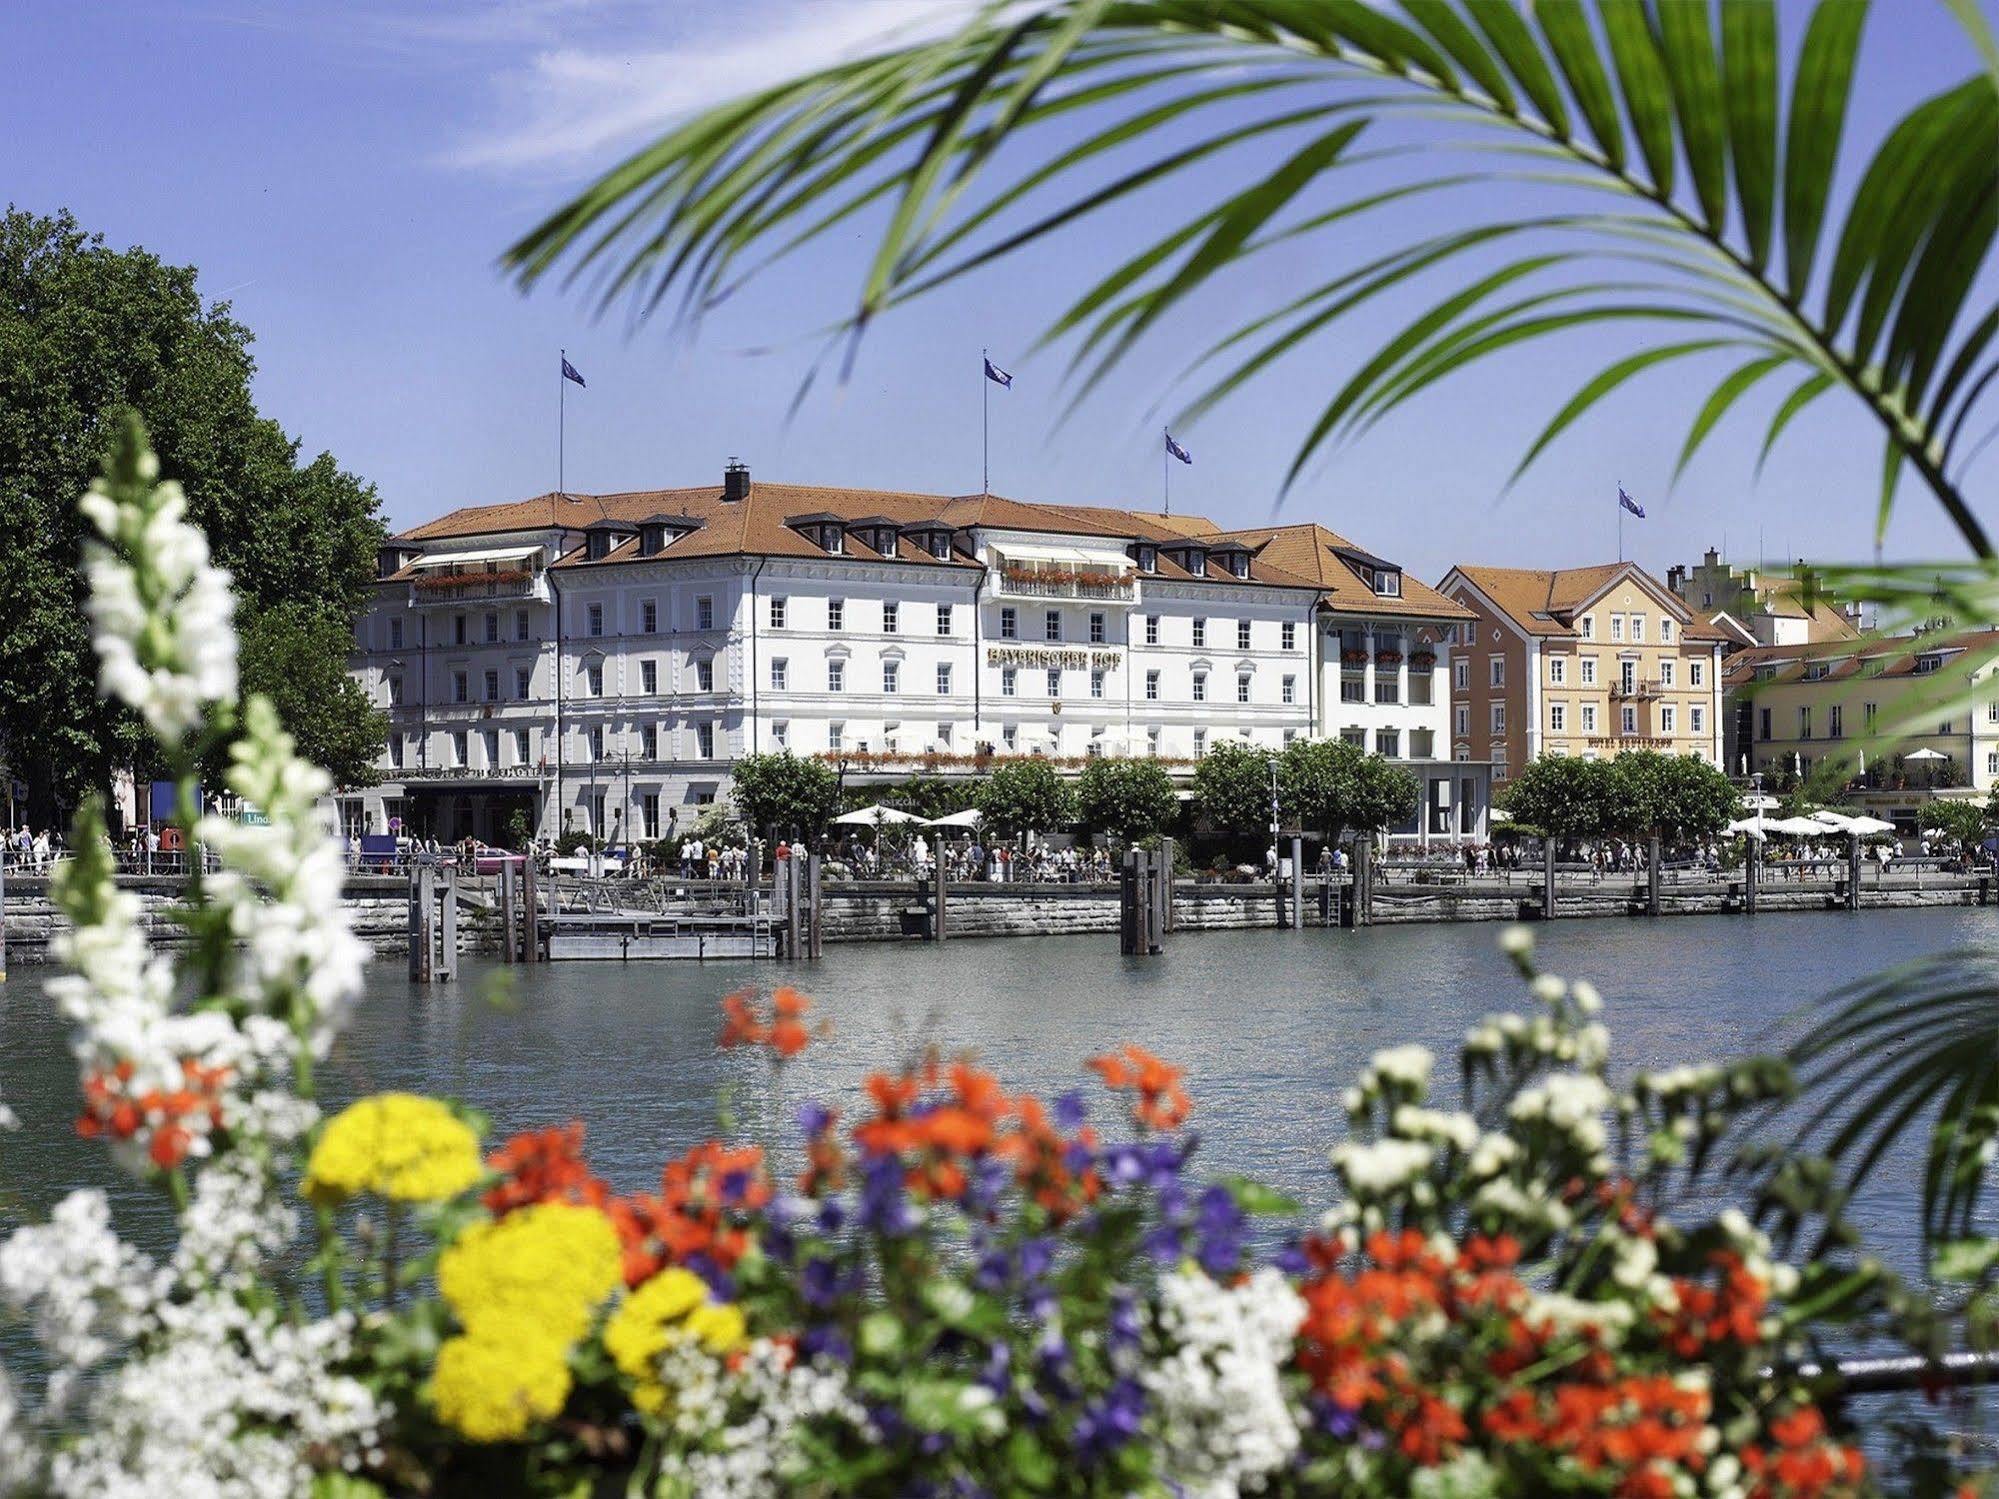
[1045,656]
[464,773]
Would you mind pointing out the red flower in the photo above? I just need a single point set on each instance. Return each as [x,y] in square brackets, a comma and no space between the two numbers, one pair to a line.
[785,1033]
[1159,1102]
[543,1166]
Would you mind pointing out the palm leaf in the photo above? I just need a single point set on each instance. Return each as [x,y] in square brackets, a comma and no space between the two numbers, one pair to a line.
[941,150]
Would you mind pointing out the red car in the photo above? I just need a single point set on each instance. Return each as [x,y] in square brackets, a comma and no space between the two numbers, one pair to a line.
[486,860]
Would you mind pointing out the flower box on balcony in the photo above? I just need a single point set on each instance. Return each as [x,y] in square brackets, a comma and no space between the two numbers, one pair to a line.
[1353,658]
[466,582]
[1423,660]
[1388,658]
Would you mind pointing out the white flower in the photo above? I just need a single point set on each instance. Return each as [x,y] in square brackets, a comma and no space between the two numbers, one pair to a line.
[1407,1065]
[1466,1476]
[1547,988]
[1516,940]
[1383,1166]
[1216,1384]
[88,1292]
[1572,1102]
[740,1433]
[1451,1128]
[1587,999]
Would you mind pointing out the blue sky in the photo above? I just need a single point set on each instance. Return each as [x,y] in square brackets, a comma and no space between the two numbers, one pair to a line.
[346,174]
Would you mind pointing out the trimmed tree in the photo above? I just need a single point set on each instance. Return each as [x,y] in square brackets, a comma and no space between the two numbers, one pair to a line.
[1127,799]
[1568,797]
[1232,789]
[295,654]
[1328,786]
[786,794]
[1676,796]
[1025,796]
[1964,821]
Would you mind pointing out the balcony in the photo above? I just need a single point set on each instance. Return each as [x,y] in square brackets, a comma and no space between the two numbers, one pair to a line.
[1634,691]
[1058,580]
[455,590]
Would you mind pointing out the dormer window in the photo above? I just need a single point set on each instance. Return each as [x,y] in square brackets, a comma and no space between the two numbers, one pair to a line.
[1197,563]
[940,545]
[1148,559]
[1928,663]
[1388,583]
[1237,563]
[833,539]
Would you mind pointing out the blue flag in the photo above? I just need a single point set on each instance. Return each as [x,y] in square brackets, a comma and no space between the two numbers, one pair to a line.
[997,375]
[569,373]
[1177,451]
[1630,504]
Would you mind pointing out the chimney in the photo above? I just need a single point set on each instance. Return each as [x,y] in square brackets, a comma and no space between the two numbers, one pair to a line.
[735,482]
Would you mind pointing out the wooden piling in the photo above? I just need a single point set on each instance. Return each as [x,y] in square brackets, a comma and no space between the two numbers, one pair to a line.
[1752,864]
[447,949]
[1853,873]
[1297,884]
[1169,863]
[509,936]
[1652,852]
[1548,896]
[1363,881]
[814,934]
[938,920]
[1129,875]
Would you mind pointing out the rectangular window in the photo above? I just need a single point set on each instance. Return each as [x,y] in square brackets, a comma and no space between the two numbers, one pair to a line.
[1805,721]
[1616,627]
[492,629]
[1665,631]
[1242,687]
[594,617]
[836,736]
[943,619]
[1697,673]
[1461,675]
[1152,686]
[1558,671]
[1290,635]
[1498,665]
[704,674]
[1152,743]
[1666,673]
[1242,634]
[489,744]
[395,686]
[1096,628]
[1499,718]
[779,608]
[1290,690]
[1866,716]
[891,676]
[1668,720]
[780,734]
[1419,688]
[1589,718]
[1697,719]
[1097,683]
[1152,629]
[944,735]
[1588,623]
[1558,718]
[1200,632]
[1422,744]
[649,616]
[836,676]
[1763,723]
[1051,628]
[1009,624]
[1054,682]
[780,674]
[1352,690]
[523,682]
[520,746]
[1589,671]
[1388,744]
[1009,679]
[396,751]
[1629,724]
[704,738]
[520,624]
[1463,726]
[1356,737]
[704,619]
[458,749]
[943,678]
[491,683]
[1200,743]
[891,618]
[395,634]
[836,615]
[1200,687]
[595,739]
[649,677]
[461,691]
[593,676]
[458,629]
[1638,628]
[1386,688]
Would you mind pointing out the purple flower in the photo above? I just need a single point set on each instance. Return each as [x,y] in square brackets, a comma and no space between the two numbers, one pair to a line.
[826,1342]
[819,1282]
[1218,1229]
[813,1119]
[993,1271]
[1123,1327]
[1037,1258]
[1071,1109]
[832,1215]
[1107,1424]
[884,1206]
[999,1365]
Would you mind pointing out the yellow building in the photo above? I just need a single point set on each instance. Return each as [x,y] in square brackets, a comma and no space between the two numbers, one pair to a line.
[1586,661]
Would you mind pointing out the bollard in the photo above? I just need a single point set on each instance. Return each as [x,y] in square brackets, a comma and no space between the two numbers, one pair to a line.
[1158,898]
[1548,896]
[1853,872]
[447,947]
[507,935]
[530,913]
[937,916]
[1652,877]
[1297,884]
[1752,865]
[813,933]
[1129,873]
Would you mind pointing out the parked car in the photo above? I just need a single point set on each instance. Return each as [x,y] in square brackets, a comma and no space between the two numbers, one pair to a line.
[488,860]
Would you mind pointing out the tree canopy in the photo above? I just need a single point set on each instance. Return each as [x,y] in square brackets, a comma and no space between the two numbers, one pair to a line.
[785,794]
[87,333]
[1126,799]
[1025,796]
[295,654]
[1633,795]
[1232,790]
[1329,786]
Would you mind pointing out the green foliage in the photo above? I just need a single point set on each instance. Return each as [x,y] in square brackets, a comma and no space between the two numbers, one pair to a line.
[1329,786]
[1127,799]
[1232,790]
[924,794]
[1967,822]
[87,333]
[1873,303]
[1025,796]
[295,654]
[1566,797]
[1634,795]
[785,794]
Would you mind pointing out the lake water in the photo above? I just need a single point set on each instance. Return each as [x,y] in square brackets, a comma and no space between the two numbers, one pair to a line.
[1270,1026]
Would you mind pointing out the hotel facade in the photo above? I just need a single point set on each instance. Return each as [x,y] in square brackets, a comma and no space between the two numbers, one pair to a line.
[599,662]
[1586,661]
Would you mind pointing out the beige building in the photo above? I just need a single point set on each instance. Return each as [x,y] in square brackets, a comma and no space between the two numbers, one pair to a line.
[1760,607]
[1586,661]
[1877,715]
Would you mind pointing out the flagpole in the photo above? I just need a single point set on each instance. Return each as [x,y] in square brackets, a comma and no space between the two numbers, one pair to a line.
[985,425]
[561,424]
[1619,502]
[1165,476]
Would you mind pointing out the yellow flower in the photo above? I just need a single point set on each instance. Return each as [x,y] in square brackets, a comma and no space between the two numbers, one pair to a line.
[669,1308]
[493,1391]
[540,1272]
[719,1325]
[407,1148]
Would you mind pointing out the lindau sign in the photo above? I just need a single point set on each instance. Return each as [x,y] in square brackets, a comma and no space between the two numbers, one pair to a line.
[1039,655]
[463,773]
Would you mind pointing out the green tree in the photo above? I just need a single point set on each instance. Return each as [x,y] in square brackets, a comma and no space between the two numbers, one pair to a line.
[1127,799]
[1025,796]
[1329,786]
[785,794]
[924,794]
[1232,790]
[1967,822]
[1568,798]
[1676,796]
[87,333]
[296,655]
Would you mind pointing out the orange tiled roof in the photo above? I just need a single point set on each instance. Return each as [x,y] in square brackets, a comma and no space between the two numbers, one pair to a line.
[1897,655]
[1312,550]
[1542,600]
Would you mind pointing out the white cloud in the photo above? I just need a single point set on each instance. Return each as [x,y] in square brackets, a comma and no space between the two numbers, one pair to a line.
[573,101]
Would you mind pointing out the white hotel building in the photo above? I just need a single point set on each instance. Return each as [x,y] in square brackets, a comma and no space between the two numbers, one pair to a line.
[598,662]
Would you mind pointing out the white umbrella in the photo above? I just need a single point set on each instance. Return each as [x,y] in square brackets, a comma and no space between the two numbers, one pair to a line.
[1797,827]
[971,817]
[1833,820]
[1030,737]
[875,816]
[1750,826]
[1868,827]
[1926,754]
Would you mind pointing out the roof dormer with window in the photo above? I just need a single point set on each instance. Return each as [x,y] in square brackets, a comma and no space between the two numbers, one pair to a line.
[826,531]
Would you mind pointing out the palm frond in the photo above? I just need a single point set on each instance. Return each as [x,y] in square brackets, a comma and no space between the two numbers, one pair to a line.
[945,147]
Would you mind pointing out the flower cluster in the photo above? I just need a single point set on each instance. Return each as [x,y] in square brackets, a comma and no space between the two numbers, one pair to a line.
[784,1033]
[397,1145]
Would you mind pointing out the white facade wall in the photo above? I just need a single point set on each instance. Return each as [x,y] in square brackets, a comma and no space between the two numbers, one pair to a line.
[670,669]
